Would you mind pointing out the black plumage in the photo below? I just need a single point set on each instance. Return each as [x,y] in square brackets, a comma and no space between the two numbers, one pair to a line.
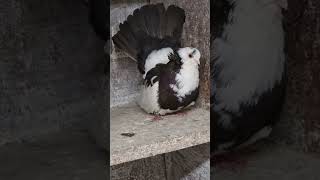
[252,118]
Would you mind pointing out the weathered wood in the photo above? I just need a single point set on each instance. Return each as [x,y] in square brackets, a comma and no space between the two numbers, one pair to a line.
[303,101]
[187,164]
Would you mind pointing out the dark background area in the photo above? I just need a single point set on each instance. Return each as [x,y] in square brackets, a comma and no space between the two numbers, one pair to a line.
[51,71]
[300,125]
[52,91]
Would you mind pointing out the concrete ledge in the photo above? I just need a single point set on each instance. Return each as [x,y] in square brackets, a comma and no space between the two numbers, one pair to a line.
[136,135]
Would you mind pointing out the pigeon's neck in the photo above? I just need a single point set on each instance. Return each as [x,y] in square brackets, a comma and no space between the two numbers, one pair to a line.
[188,77]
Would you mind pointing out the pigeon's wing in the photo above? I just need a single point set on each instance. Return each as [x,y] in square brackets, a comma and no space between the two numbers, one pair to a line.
[153,75]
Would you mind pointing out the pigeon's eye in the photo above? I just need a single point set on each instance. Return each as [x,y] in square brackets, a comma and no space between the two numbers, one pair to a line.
[191,54]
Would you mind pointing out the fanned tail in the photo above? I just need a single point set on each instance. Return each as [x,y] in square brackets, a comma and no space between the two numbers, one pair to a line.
[146,29]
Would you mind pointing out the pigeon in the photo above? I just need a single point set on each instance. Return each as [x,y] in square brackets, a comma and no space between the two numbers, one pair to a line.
[170,73]
[248,71]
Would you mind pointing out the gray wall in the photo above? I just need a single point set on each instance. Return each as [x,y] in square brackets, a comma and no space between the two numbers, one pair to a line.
[51,69]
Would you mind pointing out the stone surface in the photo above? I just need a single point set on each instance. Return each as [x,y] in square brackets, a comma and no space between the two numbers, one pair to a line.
[136,135]
[68,155]
[50,68]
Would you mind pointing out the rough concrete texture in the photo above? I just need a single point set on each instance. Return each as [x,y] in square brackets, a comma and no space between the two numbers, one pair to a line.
[68,155]
[196,33]
[300,124]
[50,67]
[269,161]
[186,164]
[136,135]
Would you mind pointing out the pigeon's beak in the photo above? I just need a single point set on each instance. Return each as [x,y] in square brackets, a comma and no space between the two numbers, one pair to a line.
[196,55]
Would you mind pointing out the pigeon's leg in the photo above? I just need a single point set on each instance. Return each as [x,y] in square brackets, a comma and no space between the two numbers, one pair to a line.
[157,118]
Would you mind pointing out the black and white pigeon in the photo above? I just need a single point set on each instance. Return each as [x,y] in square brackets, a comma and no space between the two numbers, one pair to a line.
[152,37]
[248,69]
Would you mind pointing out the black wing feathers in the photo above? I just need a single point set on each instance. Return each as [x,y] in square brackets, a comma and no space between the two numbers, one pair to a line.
[153,75]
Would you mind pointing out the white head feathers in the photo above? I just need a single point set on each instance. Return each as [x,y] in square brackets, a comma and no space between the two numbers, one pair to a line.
[189,54]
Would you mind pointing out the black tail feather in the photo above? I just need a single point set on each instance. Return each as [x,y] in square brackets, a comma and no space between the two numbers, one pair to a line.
[175,18]
[147,27]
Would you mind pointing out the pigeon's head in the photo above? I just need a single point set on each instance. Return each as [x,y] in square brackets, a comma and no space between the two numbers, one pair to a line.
[189,55]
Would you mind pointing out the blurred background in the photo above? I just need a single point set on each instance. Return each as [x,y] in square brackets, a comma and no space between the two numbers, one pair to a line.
[52,89]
